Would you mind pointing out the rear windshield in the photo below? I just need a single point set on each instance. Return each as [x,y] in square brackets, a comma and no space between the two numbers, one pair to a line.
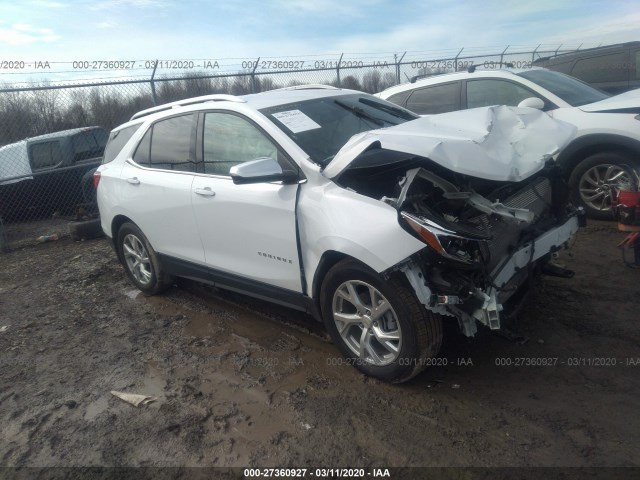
[322,126]
[569,89]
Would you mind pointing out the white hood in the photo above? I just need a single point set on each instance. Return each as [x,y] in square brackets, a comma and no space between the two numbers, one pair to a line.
[624,101]
[495,143]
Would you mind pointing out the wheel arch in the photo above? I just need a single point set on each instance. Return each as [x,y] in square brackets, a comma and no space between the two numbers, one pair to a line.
[116,223]
[327,261]
[588,145]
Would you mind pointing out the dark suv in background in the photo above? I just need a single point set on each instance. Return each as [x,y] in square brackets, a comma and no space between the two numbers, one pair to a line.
[50,173]
[613,68]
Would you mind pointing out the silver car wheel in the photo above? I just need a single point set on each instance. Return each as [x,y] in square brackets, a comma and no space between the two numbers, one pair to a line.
[367,323]
[137,259]
[599,184]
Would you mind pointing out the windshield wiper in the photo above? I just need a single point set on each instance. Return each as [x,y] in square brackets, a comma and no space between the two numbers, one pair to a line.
[395,111]
[360,112]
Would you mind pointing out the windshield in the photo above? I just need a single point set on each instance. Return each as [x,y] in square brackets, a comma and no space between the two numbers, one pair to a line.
[322,126]
[569,89]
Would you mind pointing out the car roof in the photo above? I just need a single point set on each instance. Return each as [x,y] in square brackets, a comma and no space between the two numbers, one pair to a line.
[255,101]
[454,76]
[283,96]
[266,99]
[62,133]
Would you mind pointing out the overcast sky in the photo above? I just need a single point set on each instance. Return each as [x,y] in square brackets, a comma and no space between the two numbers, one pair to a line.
[73,30]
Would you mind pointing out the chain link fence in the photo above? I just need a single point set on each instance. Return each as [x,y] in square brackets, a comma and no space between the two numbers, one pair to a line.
[52,135]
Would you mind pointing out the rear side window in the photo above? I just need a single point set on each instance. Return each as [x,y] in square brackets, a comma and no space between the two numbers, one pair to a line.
[482,93]
[436,99]
[167,145]
[117,140]
[85,146]
[45,155]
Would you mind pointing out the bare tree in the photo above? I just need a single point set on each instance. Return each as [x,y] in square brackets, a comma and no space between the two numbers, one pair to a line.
[351,82]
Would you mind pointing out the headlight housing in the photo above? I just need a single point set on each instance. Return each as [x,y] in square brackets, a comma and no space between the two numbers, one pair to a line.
[444,241]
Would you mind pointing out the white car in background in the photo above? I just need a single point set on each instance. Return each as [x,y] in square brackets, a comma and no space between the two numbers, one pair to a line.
[607,142]
[334,202]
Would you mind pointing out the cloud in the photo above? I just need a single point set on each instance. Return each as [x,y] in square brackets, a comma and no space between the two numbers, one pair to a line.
[26,34]
[49,4]
[114,4]
[618,28]
[106,25]
[325,8]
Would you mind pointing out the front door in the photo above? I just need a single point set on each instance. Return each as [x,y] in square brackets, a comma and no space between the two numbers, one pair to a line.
[246,230]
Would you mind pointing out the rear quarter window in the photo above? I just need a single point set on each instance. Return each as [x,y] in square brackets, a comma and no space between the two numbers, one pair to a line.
[117,140]
[85,146]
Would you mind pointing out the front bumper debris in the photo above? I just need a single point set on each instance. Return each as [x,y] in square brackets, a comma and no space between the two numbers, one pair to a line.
[508,274]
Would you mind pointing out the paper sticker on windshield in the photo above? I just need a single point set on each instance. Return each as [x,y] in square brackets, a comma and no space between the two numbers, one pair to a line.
[296,121]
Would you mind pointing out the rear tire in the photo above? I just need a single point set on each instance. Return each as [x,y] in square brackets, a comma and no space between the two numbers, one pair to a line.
[378,325]
[140,261]
[595,179]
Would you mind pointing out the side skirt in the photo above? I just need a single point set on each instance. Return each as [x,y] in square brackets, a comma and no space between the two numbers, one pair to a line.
[236,283]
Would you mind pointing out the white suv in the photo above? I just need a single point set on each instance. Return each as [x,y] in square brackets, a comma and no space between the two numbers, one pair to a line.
[342,205]
[607,142]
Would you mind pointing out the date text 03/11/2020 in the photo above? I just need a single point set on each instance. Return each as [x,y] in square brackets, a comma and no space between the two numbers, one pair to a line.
[317,472]
[569,362]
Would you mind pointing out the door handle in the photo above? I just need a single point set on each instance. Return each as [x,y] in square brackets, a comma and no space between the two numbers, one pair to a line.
[205,192]
[133,181]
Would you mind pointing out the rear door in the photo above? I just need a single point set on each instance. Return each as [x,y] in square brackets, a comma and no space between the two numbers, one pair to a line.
[248,231]
[155,187]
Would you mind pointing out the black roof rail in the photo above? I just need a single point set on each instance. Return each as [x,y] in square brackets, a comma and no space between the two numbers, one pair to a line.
[472,68]
[425,75]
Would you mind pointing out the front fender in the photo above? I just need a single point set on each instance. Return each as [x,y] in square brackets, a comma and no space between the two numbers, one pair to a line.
[333,219]
[586,145]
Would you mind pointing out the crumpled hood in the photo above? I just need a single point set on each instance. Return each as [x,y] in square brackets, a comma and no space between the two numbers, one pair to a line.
[495,143]
[624,101]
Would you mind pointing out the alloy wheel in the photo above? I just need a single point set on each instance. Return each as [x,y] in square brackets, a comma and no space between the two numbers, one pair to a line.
[367,323]
[137,258]
[598,185]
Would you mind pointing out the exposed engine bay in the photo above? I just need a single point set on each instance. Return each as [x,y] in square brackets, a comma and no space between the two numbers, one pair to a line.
[486,239]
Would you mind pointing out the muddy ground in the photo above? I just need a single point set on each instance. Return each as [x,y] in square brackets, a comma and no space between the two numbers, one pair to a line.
[239,382]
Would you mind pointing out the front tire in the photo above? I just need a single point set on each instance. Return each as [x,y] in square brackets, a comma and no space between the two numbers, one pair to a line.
[378,325]
[595,180]
[140,261]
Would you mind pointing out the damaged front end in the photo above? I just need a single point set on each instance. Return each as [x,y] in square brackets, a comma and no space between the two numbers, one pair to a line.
[482,190]
[486,239]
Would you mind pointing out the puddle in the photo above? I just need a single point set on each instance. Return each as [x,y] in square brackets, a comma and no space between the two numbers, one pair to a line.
[251,369]
[154,383]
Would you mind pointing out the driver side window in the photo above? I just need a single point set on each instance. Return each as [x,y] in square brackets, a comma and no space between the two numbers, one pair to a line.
[230,140]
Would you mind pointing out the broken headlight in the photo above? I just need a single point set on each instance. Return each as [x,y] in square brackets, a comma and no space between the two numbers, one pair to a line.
[444,241]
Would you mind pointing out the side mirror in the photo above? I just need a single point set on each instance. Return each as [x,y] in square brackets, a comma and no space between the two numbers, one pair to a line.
[532,102]
[261,170]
